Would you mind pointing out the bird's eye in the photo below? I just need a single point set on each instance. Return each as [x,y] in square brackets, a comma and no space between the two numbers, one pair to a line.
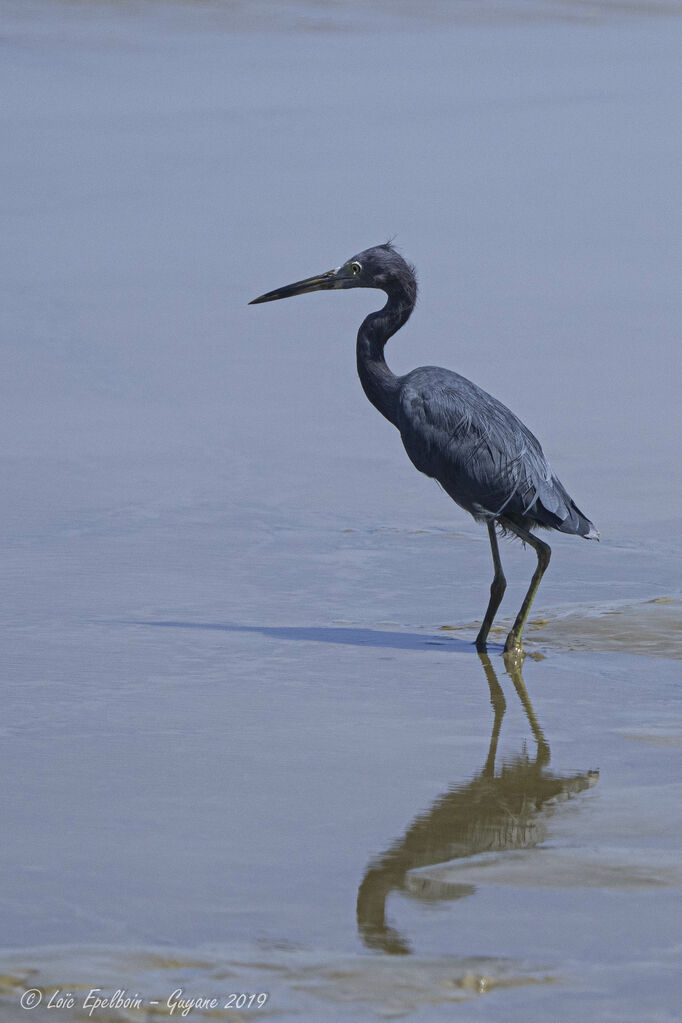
[355,268]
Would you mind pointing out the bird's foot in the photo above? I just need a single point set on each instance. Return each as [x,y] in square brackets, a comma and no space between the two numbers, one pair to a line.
[513,648]
[481,640]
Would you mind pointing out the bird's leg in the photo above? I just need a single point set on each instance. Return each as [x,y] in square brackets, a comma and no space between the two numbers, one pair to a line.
[543,551]
[497,588]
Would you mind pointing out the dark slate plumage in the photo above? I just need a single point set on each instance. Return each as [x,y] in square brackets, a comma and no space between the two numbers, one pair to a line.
[453,431]
[481,453]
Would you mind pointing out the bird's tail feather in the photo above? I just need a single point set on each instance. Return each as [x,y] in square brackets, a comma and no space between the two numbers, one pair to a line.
[563,514]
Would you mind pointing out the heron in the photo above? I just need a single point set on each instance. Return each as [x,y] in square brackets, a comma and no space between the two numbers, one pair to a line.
[453,431]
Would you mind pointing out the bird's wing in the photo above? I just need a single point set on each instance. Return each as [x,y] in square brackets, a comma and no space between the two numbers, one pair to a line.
[479,451]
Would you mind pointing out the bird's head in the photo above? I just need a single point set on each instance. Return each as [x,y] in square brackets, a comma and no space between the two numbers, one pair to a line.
[380,267]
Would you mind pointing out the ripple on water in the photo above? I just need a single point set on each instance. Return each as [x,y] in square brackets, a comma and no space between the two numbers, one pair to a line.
[649,628]
[301,984]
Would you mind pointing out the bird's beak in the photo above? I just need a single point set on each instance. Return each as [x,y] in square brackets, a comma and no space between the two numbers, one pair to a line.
[323,282]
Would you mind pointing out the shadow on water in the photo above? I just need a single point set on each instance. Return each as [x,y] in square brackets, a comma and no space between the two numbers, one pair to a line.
[345,635]
[495,811]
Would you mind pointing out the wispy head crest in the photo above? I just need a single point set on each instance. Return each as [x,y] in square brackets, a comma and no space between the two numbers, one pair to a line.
[390,246]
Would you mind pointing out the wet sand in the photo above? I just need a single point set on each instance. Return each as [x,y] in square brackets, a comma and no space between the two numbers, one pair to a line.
[247,742]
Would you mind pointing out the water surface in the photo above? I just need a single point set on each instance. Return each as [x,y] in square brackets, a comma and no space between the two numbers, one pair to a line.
[247,743]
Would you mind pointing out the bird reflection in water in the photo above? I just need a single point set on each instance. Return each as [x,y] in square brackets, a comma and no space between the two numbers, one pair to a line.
[496,810]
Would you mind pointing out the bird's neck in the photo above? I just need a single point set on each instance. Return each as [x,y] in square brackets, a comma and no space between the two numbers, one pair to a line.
[379,383]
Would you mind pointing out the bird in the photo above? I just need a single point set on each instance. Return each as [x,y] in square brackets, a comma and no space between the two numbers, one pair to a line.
[453,431]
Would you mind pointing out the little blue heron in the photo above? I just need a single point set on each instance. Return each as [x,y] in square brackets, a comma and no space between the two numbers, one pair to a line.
[480,453]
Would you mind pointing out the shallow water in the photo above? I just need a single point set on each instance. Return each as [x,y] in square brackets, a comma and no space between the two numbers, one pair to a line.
[247,743]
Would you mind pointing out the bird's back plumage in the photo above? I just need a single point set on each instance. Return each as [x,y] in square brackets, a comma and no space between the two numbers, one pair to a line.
[482,455]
